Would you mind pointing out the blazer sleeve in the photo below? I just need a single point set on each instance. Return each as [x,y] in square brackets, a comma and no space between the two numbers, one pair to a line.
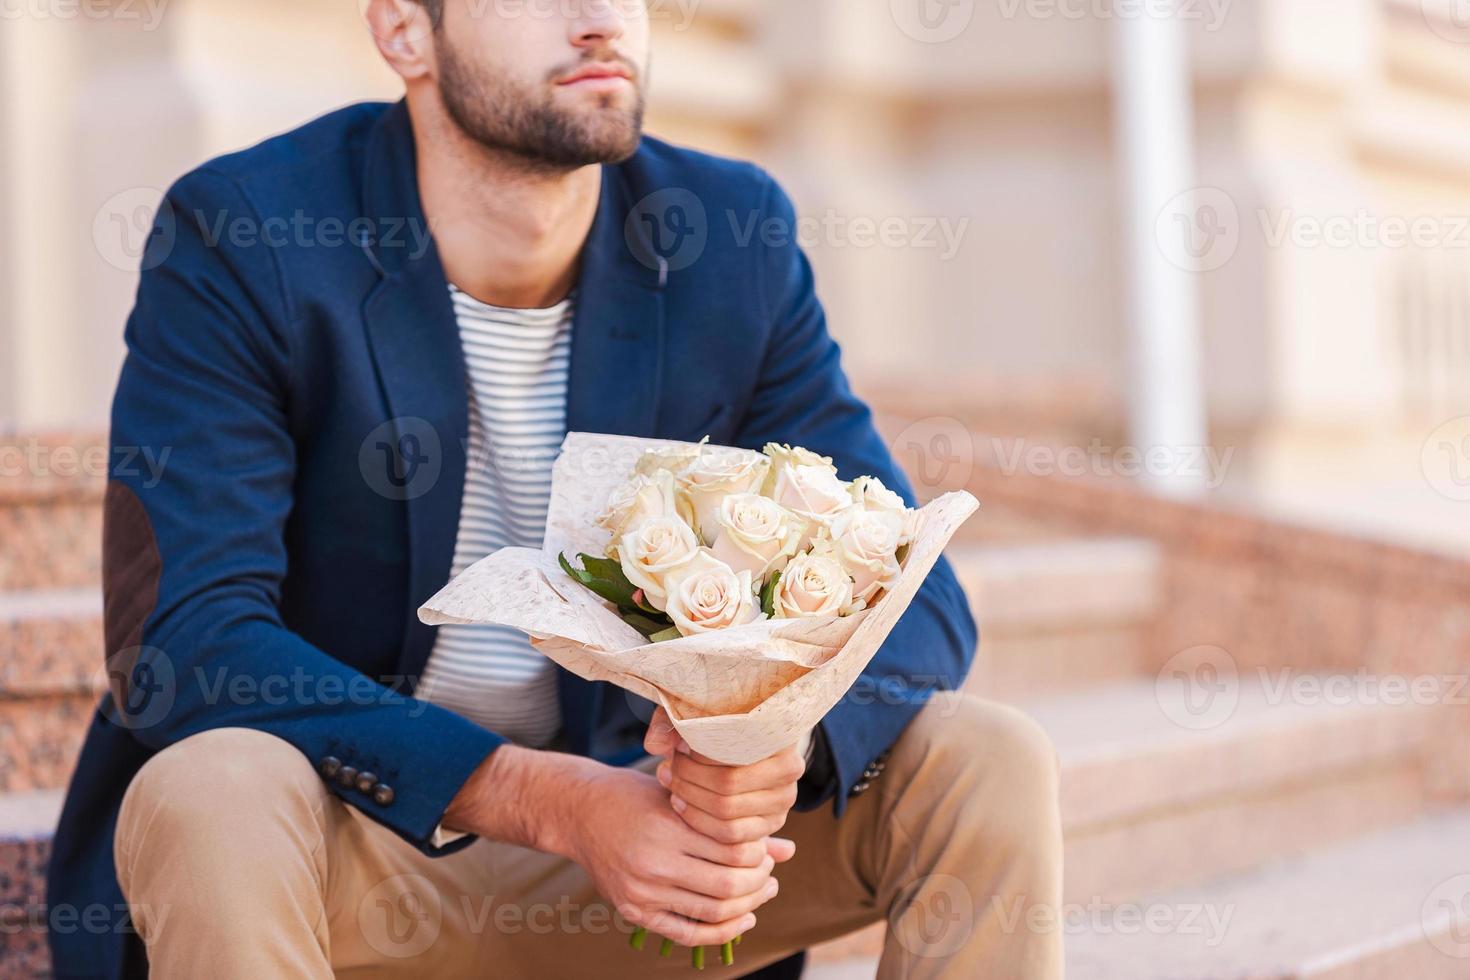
[803,398]
[194,554]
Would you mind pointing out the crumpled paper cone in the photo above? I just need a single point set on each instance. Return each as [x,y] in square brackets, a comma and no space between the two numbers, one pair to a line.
[737,695]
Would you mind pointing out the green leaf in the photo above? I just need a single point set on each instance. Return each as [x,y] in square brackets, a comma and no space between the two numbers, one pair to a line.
[672,633]
[646,625]
[768,594]
[618,591]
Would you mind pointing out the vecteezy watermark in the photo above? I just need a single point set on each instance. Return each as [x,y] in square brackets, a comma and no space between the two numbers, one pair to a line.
[403,916]
[668,230]
[149,12]
[937,919]
[34,458]
[833,229]
[401,459]
[1445,917]
[1199,230]
[1097,917]
[1445,459]
[932,21]
[938,452]
[1450,19]
[1207,464]
[1210,13]
[137,229]
[1198,688]
[94,919]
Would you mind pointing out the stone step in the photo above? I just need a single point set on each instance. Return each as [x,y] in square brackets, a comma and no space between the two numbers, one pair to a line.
[1263,776]
[51,542]
[1149,803]
[1058,615]
[26,824]
[40,738]
[1390,905]
[52,640]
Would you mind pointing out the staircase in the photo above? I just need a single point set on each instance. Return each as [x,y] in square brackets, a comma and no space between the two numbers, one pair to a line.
[50,655]
[1281,838]
[1285,837]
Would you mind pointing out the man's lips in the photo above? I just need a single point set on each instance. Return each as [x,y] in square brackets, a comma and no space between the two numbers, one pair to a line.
[598,76]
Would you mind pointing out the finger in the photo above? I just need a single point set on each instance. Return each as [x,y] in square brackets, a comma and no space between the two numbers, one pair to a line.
[730,831]
[661,738]
[717,881]
[746,854]
[773,773]
[710,911]
[722,807]
[780,849]
[687,932]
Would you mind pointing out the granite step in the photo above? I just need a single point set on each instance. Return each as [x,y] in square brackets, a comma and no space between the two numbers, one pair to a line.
[1149,804]
[1144,781]
[26,824]
[1384,906]
[1058,615]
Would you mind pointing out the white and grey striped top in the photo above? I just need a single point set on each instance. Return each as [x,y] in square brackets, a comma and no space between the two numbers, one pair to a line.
[517,362]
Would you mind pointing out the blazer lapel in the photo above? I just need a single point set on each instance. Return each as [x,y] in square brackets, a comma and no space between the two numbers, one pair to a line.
[616,372]
[415,344]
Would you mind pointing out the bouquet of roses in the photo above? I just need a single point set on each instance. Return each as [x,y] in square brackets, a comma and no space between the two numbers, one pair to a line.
[744,592]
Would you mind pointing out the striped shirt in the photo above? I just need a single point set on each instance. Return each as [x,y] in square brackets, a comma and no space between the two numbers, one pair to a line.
[517,363]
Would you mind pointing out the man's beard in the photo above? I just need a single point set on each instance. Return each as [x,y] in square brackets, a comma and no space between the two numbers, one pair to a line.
[507,117]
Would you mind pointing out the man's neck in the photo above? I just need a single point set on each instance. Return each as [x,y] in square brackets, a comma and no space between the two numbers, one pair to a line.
[507,234]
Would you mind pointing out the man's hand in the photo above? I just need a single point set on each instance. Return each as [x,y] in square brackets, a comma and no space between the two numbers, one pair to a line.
[731,804]
[655,869]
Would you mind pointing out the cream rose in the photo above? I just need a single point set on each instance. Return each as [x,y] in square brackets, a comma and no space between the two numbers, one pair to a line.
[812,584]
[814,494]
[870,494]
[865,543]
[714,475]
[652,550]
[640,499]
[705,594]
[672,458]
[755,534]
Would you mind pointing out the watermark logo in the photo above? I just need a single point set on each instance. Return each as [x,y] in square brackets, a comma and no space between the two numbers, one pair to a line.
[143,685]
[938,454]
[938,920]
[1446,459]
[1450,19]
[1198,688]
[668,229]
[1446,917]
[401,459]
[932,21]
[401,916]
[1199,230]
[135,230]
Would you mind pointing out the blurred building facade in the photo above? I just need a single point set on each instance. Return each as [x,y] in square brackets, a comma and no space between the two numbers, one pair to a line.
[956,163]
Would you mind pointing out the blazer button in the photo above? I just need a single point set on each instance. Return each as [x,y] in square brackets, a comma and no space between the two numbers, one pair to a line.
[347,776]
[366,781]
[859,788]
[330,766]
[383,794]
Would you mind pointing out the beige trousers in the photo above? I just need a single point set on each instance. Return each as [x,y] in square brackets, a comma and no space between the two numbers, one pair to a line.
[238,863]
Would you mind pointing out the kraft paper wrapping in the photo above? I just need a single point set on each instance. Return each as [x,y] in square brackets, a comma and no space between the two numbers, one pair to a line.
[738,695]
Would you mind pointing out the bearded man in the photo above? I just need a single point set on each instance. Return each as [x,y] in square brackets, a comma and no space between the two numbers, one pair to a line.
[361,343]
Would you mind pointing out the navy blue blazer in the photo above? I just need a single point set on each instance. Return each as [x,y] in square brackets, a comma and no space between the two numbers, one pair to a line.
[294,351]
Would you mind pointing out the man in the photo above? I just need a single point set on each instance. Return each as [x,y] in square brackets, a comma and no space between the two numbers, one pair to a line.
[294,777]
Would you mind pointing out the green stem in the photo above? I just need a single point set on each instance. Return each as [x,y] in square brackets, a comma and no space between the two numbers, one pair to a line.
[636,940]
[699,957]
[666,948]
[727,954]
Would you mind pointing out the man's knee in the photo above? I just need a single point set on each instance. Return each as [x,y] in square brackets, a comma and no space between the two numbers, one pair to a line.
[983,745]
[210,786]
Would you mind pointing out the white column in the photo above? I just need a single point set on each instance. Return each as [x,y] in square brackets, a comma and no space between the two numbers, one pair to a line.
[1155,134]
